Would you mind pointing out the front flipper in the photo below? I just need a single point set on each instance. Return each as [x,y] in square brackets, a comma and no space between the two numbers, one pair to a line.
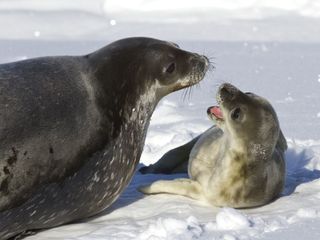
[24,234]
[182,186]
[174,161]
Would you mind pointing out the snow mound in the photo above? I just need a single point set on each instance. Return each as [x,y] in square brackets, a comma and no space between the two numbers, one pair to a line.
[231,219]
[171,228]
[307,213]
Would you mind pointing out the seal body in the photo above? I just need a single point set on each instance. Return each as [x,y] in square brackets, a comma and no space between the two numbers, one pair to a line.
[238,163]
[73,127]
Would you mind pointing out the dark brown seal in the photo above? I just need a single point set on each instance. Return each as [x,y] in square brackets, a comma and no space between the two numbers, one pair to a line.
[72,128]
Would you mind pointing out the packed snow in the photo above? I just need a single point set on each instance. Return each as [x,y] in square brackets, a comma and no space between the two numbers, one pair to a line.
[270,48]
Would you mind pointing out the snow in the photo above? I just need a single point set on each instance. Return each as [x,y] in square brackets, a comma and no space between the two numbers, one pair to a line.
[271,48]
[231,219]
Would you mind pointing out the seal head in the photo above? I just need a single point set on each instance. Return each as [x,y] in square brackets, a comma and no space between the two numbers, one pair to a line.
[248,118]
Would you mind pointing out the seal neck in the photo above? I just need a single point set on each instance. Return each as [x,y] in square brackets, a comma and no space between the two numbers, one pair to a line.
[249,148]
[131,108]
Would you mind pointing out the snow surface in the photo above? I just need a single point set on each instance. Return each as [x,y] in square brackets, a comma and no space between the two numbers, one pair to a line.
[270,47]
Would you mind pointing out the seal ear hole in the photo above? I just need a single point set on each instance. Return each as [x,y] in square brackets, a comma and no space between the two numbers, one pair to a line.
[236,114]
[171,68]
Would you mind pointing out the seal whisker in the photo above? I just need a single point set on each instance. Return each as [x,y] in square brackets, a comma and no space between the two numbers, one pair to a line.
[211,59]
[211,67]
[212,63]
[186,93]
[190,93]
[182,96]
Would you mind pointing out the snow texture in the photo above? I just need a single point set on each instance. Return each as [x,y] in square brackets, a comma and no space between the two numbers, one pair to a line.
[270,48]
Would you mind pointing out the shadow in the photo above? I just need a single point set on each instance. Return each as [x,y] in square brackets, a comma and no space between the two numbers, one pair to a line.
[297,172]
[131,195]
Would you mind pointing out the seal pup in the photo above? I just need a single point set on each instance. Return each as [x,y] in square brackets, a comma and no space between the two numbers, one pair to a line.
[238,163]
[73,127]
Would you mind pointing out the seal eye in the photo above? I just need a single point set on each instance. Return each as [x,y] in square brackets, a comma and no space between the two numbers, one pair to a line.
[235,115]
[170,69]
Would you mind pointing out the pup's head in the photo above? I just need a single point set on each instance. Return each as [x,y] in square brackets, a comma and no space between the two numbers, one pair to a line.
[245,116]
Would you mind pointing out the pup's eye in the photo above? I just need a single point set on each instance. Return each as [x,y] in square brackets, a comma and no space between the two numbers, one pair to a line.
[235,115]
[170,69]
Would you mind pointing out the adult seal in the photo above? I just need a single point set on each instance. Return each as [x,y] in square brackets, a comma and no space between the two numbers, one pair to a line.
[73,127]
[238,163]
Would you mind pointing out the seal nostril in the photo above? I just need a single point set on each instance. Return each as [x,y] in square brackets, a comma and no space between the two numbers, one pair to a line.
[206,60]
[226,92]
[224,89]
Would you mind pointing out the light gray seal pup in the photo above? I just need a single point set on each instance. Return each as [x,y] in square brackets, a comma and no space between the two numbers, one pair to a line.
[238,163]
[72,128]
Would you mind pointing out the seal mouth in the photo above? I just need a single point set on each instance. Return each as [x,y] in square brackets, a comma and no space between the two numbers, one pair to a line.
[226,93]
[215,113]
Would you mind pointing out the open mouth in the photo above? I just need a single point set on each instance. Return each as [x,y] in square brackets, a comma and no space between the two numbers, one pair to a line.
[215,113]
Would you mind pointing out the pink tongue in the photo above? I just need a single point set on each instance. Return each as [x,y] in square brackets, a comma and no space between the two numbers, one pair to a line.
[216,111]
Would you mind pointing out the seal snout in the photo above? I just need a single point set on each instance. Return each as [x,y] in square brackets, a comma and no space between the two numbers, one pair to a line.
[227,92]
[201,61]
[205,62]
[198,65]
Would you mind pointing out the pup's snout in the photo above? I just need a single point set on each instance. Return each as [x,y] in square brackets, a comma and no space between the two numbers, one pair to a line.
[227,91]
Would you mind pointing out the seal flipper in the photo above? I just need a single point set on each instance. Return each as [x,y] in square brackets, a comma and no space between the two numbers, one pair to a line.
[24,235]
[180,186]
[173,161]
